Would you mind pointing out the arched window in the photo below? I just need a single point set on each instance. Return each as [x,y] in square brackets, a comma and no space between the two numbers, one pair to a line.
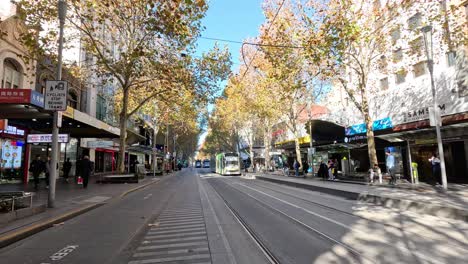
[72,99]
[11,75]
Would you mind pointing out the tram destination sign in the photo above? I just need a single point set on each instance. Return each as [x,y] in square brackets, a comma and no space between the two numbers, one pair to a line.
[56,96]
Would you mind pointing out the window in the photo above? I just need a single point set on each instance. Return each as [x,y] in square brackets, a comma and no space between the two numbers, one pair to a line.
[417,46]
[384,84]
[400,77]
[382,64]
[420,68]
[397,55]
[72,99]
[101,110]
[395,34]
[451,55]
[414,22]
[11,75]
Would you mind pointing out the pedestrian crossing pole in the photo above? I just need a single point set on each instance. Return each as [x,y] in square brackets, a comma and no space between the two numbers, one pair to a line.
[62,9]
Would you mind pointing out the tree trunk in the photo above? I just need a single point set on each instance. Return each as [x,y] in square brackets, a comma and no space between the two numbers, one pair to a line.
[298,150]
[251,149]
[266,143]
[370,141]
[123,132]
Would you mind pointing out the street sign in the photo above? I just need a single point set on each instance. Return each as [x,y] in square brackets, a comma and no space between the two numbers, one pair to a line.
[59,119]
[56,95]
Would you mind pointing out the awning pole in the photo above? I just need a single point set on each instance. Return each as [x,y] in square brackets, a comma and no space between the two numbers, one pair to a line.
[410,161]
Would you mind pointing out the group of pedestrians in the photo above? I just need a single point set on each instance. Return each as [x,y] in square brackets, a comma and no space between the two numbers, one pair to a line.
[37,167]
[328,171]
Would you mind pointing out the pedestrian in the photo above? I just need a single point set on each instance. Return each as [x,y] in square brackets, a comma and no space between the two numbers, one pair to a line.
[322,171]
[390,163]
[435,165]
[86,169]
[306,169]
[47,170]
[331,170]
[36,168]
[296,168]
[373,171]
[66,169]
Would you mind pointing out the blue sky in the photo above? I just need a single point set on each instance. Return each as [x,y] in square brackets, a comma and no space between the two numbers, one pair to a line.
[233,20]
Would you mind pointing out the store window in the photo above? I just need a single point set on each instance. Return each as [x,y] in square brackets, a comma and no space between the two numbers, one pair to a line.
[69,151]
[12,159]
[12,73]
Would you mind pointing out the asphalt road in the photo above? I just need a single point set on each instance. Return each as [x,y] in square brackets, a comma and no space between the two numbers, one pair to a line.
[199,217]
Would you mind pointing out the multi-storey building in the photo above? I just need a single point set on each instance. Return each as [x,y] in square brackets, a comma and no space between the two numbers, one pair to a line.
[400,87]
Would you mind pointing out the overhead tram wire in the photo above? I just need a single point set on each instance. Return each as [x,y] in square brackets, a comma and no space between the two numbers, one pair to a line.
[266,33]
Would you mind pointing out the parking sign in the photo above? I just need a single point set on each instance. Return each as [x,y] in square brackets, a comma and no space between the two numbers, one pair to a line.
[56,95]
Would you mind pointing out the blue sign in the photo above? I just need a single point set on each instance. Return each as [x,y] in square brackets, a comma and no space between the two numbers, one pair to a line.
[380,124]
[37,99]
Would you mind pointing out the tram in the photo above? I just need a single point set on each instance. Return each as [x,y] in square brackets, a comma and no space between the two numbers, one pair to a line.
[226,164]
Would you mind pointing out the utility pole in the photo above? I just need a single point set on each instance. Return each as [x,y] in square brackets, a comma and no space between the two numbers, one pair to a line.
[155,135]
[427,34]
[62,10]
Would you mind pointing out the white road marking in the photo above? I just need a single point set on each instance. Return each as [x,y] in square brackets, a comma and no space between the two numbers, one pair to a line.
[159,260]
[201,243]
[147,196]
[176,251]
[63,252]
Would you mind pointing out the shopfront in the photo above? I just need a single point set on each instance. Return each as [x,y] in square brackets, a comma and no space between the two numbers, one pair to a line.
[13,165]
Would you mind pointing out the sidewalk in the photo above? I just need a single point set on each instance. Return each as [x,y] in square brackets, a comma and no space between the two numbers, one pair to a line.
[422,198]
[71,200]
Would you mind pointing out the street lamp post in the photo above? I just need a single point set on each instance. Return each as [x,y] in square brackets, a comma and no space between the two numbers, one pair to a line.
[62,10]
[427,34]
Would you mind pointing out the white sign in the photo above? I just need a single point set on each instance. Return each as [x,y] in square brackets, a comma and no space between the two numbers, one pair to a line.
[100,144]
[59,119]
[47,138]
[13,131]
[56,95]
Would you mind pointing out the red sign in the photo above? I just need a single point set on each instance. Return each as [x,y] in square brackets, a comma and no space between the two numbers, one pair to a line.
[15,96]
[3,124]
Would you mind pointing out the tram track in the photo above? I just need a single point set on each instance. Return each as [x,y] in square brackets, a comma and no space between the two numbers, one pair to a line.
[341,211]
[357,256]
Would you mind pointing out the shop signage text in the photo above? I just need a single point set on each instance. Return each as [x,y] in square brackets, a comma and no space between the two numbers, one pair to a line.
[15,96]
[420,114]
[100,144]
[47,138]
[380,124]
[12,130]
[354,138]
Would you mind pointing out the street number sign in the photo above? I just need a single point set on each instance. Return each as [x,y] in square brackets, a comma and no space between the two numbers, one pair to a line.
[56,96]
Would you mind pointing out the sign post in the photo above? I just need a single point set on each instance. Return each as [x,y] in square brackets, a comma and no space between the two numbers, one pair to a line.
[56,101]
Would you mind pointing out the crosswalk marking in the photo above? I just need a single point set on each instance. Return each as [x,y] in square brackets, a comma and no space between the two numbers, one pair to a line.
[177,235]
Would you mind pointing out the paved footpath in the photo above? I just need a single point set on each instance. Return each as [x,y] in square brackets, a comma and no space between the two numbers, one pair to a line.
[71,200]
[421,199]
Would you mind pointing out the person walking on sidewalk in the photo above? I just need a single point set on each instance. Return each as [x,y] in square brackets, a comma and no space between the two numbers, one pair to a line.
[36,168]
[322,171]
[435,165]
[66,169]
[331,170]
[390,163]
[86,169]
[296,168]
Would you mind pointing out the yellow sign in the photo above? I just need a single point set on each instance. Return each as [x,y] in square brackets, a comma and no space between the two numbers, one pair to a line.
[302,140]
[70,112]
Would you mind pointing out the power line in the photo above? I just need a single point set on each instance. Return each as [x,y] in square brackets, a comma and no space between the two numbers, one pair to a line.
[255,44]
[266,33]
